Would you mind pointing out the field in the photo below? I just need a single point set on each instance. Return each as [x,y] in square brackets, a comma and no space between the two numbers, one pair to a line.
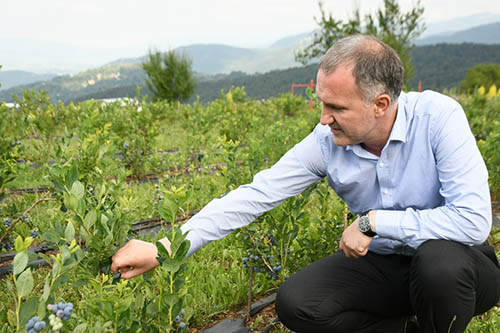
[76,181]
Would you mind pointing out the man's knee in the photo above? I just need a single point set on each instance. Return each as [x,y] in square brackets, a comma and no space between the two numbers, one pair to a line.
[441,266]
[288,306]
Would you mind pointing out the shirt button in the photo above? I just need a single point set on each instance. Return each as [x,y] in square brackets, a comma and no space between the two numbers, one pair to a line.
[381,164]
[385,191]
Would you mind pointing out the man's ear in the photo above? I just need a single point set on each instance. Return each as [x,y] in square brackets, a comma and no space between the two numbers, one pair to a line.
[382,103]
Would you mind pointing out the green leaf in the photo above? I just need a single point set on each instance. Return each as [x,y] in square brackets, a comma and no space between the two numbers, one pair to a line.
[19,244]
[66,255]
[90,219]
[24,283]
[183,249]
[71,177]
[167,209]
[82,328]
[171,300]
[69,233]
[171,265]
[78,189]
[50,237]
[46,290]
[162,251]
[28,309]
[72,202]
[20,262]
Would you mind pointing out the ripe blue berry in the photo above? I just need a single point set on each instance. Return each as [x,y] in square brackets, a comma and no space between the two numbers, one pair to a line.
[182,325]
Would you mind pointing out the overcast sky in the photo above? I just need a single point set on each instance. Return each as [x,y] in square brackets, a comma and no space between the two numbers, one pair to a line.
[169,24]
[34,34]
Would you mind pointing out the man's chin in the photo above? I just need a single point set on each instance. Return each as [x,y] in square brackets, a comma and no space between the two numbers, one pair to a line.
[340,140]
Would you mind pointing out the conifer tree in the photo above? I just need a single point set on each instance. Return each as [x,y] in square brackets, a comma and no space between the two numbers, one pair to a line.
[169,76]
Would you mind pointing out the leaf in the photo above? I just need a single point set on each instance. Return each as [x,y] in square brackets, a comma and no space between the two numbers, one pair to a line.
[167,209]
[183,249]
[90,219]
[28,309]
[19,244]
[20,262]
[171,300]
[66,255]
[69,233]
[78,189]
[82,328]
[46,290]
[71,202]
[71,177]
[171,265]
[162,251]
[24,283]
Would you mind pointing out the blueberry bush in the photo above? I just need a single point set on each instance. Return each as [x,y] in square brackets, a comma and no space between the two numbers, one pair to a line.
[97,168]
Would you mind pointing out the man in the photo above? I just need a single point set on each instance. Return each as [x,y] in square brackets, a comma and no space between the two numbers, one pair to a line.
[409,165]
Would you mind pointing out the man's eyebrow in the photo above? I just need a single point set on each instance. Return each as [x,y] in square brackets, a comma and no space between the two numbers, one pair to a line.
[332,105]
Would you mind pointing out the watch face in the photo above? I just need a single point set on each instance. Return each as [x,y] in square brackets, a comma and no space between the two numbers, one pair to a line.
[364,224]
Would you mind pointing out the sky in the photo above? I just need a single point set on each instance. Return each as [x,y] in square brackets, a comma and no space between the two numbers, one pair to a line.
[134,26]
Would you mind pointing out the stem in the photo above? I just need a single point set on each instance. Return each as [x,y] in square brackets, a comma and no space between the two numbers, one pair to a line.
[249,304]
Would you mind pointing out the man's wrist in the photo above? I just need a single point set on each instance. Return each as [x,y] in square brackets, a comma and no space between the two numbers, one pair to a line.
[371,215]
[365,225]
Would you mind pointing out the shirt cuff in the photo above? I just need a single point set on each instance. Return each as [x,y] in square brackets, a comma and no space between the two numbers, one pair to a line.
[388,223]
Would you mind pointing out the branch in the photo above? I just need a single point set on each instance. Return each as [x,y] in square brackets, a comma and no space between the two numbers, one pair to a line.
[25,212]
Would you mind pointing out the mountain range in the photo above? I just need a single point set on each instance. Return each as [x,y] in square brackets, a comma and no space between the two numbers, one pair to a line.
[211,62]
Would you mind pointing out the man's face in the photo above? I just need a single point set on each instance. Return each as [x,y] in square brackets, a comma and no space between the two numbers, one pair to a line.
[350,120]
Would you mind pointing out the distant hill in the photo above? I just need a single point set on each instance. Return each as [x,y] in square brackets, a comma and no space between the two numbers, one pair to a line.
[483,34]
[15,78]
[215,58]
[439,67]
[444,66]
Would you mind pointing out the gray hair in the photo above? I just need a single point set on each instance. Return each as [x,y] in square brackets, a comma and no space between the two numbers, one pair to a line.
[377,67]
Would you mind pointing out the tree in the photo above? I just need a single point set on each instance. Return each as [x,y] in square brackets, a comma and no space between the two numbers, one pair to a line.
[479,75]
[169,76]
[390,25]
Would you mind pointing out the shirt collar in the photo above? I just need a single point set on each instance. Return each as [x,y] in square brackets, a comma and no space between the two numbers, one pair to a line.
[398,132]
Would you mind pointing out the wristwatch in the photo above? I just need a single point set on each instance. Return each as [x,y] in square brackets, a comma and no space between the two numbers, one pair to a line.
[365,226]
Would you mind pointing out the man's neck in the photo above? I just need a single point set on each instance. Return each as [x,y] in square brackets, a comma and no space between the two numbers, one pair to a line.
[376,146]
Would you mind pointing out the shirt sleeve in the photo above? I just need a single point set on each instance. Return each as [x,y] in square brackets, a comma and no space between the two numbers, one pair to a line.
[465,216]
[293,173]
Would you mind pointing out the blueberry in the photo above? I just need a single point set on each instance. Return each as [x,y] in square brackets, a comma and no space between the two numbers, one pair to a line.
[33,234]
[68,311]
[64,209]
[177,319]
[182,325]
[39,326]
[117,275]
[60,313]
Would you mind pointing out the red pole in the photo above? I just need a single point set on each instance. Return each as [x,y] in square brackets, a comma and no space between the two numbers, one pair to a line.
[419,86]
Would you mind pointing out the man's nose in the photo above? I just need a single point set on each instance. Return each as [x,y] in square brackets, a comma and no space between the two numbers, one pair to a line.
[326,118]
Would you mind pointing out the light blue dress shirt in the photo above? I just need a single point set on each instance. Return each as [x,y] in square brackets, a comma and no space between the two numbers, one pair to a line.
[430,181]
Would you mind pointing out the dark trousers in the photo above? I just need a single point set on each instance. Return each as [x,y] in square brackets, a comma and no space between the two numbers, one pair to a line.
[445,284]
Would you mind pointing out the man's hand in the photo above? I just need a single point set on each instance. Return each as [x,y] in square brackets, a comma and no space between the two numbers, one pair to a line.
[136,257]
[353,242]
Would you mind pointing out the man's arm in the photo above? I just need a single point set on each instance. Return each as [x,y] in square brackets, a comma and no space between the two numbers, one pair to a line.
[293,173]
[465,216]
